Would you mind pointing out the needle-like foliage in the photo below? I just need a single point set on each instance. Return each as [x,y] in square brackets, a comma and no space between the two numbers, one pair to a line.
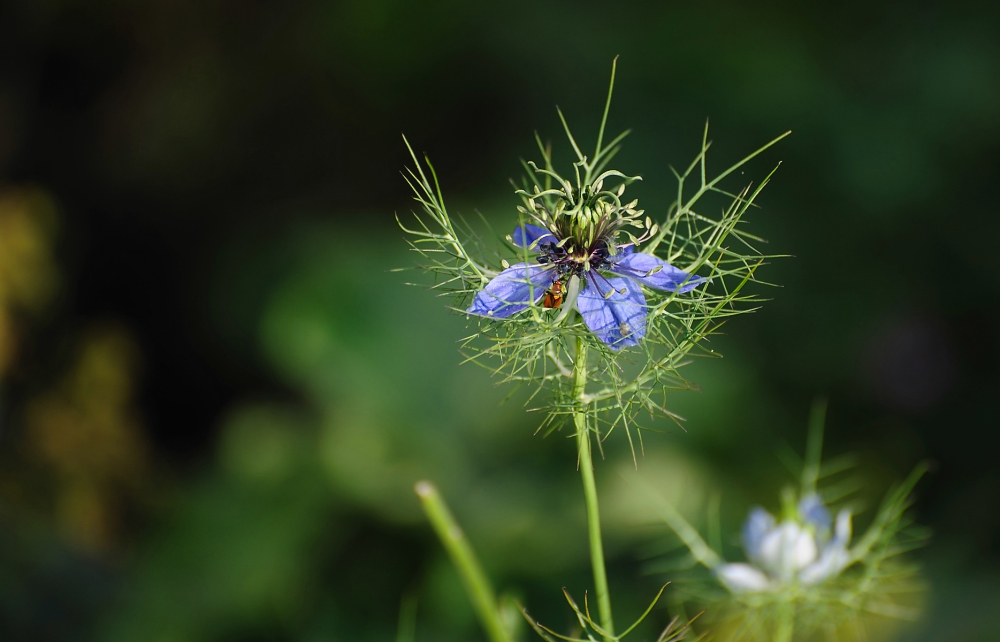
[591,631]
[537,345]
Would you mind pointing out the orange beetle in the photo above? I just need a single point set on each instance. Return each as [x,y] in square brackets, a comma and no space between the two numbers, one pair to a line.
[554,296]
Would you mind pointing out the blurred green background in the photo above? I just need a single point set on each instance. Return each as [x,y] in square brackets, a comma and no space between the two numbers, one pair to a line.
[215,398]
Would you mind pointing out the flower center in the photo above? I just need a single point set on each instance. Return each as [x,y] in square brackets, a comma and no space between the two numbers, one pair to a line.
[570,260]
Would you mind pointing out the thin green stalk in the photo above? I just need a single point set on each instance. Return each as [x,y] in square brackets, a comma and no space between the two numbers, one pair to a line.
[590,493]
[814,447]
[407,630]
[476,585]
[785,629]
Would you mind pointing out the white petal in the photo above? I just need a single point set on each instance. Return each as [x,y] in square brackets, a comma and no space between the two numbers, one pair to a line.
[834,557]
[804,549]
[842,531]
[786,549]
[831,562]
[743,578]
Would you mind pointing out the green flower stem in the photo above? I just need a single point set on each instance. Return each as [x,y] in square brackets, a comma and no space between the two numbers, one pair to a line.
[590,492]
[476,585]
[785,629]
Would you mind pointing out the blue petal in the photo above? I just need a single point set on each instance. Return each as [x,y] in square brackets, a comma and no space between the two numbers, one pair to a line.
[618,320]
[812,511]
[654,272]
[512,290]
[531,236]
[759,523]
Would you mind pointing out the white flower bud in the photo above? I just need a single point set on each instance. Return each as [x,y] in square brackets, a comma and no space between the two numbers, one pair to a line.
[787,549]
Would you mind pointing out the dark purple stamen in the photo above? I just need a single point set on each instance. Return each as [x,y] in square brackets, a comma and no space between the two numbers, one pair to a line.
[572,262]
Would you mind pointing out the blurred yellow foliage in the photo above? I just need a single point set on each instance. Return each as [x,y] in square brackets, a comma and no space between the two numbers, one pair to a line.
[28,274]
[85,430]
[81,430]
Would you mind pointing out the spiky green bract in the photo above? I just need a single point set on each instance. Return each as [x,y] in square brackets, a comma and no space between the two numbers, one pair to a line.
[877,583]
[675,630]
[538,346]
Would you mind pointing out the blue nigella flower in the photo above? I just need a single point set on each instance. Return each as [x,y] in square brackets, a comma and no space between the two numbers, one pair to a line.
[802,550]
[613,307]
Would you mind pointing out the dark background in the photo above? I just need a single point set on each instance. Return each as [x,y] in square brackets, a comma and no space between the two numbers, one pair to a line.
[215,397]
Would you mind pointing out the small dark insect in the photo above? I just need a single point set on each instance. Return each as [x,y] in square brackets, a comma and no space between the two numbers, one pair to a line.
[554,296]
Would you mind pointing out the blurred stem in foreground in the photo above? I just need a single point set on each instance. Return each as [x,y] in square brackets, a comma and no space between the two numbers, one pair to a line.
[476,585]
[785,627]
[407,631]
[590,492]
